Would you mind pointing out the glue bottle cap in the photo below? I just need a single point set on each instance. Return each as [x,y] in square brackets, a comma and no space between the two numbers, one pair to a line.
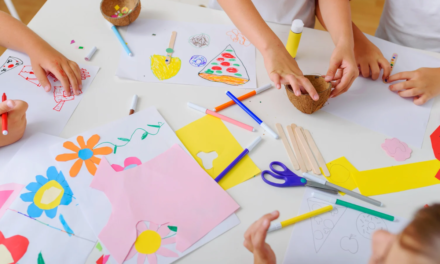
[297,26]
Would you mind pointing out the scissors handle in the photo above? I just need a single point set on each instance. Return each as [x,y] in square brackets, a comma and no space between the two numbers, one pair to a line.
[263,173]
[284,167]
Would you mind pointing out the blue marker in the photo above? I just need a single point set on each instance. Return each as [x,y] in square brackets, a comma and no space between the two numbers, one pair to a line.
[261,123]
[124,45]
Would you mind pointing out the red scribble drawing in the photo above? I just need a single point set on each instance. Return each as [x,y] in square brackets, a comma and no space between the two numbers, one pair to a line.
[54,78]
[60,97]
[84,74]
[28,74]
[236,36]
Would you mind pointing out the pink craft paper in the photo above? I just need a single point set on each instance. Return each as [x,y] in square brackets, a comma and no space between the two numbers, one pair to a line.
[171,188]
[8,193]
[396,149]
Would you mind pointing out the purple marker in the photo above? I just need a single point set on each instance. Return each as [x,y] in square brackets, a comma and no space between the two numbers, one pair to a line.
[245,151]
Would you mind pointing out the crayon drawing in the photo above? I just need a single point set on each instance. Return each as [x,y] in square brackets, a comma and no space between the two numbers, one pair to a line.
[60,97]
[236,36]
[10,63]
[28,74]
[225,68]
[198,61]
[162,70]
[200,40]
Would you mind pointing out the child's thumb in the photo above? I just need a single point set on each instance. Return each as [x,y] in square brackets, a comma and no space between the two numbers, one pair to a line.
[6,106]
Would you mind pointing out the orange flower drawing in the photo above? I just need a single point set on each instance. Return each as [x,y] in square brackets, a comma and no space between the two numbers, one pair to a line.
[84,154]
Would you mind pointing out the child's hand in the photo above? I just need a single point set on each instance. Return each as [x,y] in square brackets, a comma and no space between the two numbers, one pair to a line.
[254,240]
[343,67]
[370,59]
[283,69]
[16,120]
[422,84]
[45,59]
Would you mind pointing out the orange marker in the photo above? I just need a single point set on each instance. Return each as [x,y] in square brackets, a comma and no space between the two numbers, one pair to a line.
[243,97]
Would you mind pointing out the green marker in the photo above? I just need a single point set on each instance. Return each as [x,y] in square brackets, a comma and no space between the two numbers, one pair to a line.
[353,206]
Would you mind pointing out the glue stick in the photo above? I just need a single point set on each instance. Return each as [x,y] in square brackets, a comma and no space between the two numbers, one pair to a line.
[294,37]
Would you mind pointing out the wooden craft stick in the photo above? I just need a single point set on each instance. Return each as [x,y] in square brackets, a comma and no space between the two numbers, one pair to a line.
[302,150]
[287,146]
[310,157]
[317,153]
[170,49]
[295,146]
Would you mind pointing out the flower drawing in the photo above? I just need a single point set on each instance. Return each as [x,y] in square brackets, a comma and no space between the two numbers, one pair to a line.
[85,153]
[46,194]
[149,243]
[128,164]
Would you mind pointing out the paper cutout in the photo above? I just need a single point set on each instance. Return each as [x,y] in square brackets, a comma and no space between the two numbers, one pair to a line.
[105,259]
[397,178]
[236,36]
[128,164]
[435,142]
[226,68]
[207,159]
[145,133]
[200,40]
[60,97]
[162,70]
[8,193]
[46,194]
[198,61]
[396,149]
[28,74]
[149,243]
[12,248]
[100,260]
[40,259]
[158,192]
[67,228]
[341,173]
[85,153]
[210,134]
[72,41]
[10,63]
[98,246]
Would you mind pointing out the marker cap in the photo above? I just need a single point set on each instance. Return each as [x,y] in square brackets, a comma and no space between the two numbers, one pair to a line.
[274,226]
[254,143]
[196,107]
[297,26]
[90,54]
[323,197]
[264,88]
[269,130]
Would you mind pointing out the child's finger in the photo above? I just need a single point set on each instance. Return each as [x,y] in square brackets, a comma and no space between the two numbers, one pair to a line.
[62,77]
[421,100]
[365,70]
[331,72]
[6,106]
[42,77]
[411,92]
[346,81]
[375,71]
[18,112]
[72,78]
[77,72]
[402,86]
[259,239]
[338,74]
[401,76]
[294,83]
[309,87]
[385,65]
[275,78]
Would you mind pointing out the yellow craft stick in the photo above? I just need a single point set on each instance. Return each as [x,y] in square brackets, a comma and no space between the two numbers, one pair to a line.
[310,157]
[316,152]
[302,151]
[278,225]
[170,49]
[287,147]
[296,149]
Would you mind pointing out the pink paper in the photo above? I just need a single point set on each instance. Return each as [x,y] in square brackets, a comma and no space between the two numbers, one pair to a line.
[171,188]
[8,193]
[397,149]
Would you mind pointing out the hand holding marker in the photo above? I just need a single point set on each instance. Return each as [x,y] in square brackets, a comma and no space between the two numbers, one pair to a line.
[261,123]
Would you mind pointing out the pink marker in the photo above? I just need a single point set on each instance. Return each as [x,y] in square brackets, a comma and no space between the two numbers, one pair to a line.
[222,117]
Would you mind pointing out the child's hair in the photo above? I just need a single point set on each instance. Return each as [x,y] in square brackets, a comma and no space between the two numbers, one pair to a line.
[422,235]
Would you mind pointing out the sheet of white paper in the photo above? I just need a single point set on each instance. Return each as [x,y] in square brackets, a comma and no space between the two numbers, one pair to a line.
[371,104]
[94,204]
[45,234]
[48,112]
[148,37]
[340,236]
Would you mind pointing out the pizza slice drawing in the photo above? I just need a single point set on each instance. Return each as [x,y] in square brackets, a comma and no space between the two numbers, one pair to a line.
[11,63]
[225,68]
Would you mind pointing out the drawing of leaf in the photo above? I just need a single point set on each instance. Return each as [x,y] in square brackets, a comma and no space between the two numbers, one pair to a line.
[156,126]
[144,135]
[40,259]
[114,152]
[172,228]
[124,139]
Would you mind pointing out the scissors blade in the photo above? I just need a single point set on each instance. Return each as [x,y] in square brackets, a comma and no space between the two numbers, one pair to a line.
[322,187]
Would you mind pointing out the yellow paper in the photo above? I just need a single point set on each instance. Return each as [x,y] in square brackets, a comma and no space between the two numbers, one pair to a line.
[398,178]
[341,173]
[210,134]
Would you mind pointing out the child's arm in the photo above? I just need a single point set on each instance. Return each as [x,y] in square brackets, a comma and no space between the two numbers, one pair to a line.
[16,120]
[17,36]
[421,84]
[336,16]
[280,66]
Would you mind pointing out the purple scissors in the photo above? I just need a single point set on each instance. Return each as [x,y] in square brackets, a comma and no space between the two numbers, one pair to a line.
[290,178]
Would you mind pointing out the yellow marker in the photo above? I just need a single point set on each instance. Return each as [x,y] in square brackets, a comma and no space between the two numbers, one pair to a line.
[294,37]
[278,225]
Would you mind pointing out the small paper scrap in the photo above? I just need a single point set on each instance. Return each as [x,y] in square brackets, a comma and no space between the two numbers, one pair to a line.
[397,149]
[73,41]
[80,47]
[116,7]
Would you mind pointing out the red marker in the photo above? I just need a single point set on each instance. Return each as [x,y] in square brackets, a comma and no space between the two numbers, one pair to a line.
[4,118]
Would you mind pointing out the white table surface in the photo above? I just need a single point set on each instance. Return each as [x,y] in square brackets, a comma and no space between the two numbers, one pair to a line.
[108,99]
